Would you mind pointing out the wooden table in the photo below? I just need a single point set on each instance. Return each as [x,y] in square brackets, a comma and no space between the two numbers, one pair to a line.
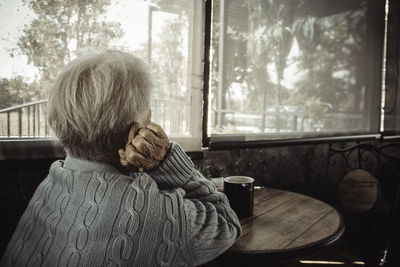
[287,224]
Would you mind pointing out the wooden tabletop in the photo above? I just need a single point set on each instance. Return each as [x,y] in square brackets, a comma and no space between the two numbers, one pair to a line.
[287,222]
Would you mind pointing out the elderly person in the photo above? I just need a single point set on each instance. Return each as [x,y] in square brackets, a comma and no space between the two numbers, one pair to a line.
[124,195]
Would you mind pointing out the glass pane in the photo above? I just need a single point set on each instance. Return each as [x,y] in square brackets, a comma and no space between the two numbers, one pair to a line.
[293,67]
[38,37]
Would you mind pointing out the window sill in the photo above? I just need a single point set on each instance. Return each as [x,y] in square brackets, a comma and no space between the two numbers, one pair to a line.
[43,149]
[30,148]
[50,148]
[220,144]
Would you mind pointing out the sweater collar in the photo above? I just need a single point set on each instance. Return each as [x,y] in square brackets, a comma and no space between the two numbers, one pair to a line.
[78,164]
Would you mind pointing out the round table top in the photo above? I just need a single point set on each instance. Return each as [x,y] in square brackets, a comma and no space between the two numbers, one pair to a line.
[287,222]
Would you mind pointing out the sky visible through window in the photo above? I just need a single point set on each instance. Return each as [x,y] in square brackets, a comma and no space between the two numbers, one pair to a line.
[14,14]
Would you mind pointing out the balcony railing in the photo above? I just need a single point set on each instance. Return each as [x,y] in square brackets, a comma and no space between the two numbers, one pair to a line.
[29,120]
[245,121]
[173,114]
[26,120]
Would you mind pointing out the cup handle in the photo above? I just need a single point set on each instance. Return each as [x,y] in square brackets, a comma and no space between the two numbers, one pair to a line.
[249,187]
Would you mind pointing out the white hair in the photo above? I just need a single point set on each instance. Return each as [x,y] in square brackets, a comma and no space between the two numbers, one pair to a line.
[94,101]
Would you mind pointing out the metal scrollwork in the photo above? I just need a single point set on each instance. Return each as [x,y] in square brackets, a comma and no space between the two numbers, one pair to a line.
[387,170]
[356,157]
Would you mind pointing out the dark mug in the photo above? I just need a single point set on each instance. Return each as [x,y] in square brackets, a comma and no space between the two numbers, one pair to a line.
[240,192]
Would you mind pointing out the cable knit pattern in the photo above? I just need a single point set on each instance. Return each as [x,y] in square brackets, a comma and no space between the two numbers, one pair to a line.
[123,244]
[170,232]
[89,214]
[175,170]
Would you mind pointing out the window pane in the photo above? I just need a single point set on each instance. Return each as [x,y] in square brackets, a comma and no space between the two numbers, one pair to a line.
[38,37]
[295,68]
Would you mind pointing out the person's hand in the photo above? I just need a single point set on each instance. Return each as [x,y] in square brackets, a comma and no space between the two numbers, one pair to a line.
[146,147]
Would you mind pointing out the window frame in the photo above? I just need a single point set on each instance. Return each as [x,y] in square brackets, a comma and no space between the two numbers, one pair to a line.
[376,48]
[192,142]
[392,73]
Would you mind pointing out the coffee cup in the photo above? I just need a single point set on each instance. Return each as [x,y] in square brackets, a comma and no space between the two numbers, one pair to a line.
[240,193]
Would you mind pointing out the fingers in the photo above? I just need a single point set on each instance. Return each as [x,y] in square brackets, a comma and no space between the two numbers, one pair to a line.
[124,161]
[132,132]
[151,145]
[134,157]
[146,147]
[122,158]
[163,138]
[156,129]
[149,136]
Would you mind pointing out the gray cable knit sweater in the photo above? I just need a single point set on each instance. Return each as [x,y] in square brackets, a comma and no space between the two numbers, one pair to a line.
[89,214]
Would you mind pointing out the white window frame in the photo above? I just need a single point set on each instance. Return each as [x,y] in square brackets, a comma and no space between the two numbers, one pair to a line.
[193,142]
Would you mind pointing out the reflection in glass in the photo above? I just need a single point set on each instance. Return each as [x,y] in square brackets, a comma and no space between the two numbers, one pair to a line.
[284,66]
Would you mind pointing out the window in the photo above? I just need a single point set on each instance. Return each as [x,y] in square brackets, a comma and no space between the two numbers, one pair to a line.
[275,70]
[40,37]
[287,69]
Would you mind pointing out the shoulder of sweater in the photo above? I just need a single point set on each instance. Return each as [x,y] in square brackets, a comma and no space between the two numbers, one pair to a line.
[139,180]
[58,168]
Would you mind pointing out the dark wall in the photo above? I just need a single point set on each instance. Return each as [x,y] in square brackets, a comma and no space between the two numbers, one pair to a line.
[298,168]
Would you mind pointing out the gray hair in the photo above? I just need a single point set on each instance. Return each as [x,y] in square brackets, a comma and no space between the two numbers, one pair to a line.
[94,101]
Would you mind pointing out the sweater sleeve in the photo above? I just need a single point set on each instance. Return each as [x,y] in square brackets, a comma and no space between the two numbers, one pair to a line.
[211,226]
[175,170]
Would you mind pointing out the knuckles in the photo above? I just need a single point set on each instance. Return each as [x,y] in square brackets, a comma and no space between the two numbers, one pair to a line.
[146,147]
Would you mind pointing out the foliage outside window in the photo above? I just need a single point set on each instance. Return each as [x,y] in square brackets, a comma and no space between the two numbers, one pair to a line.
[43,35]
[288,68]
